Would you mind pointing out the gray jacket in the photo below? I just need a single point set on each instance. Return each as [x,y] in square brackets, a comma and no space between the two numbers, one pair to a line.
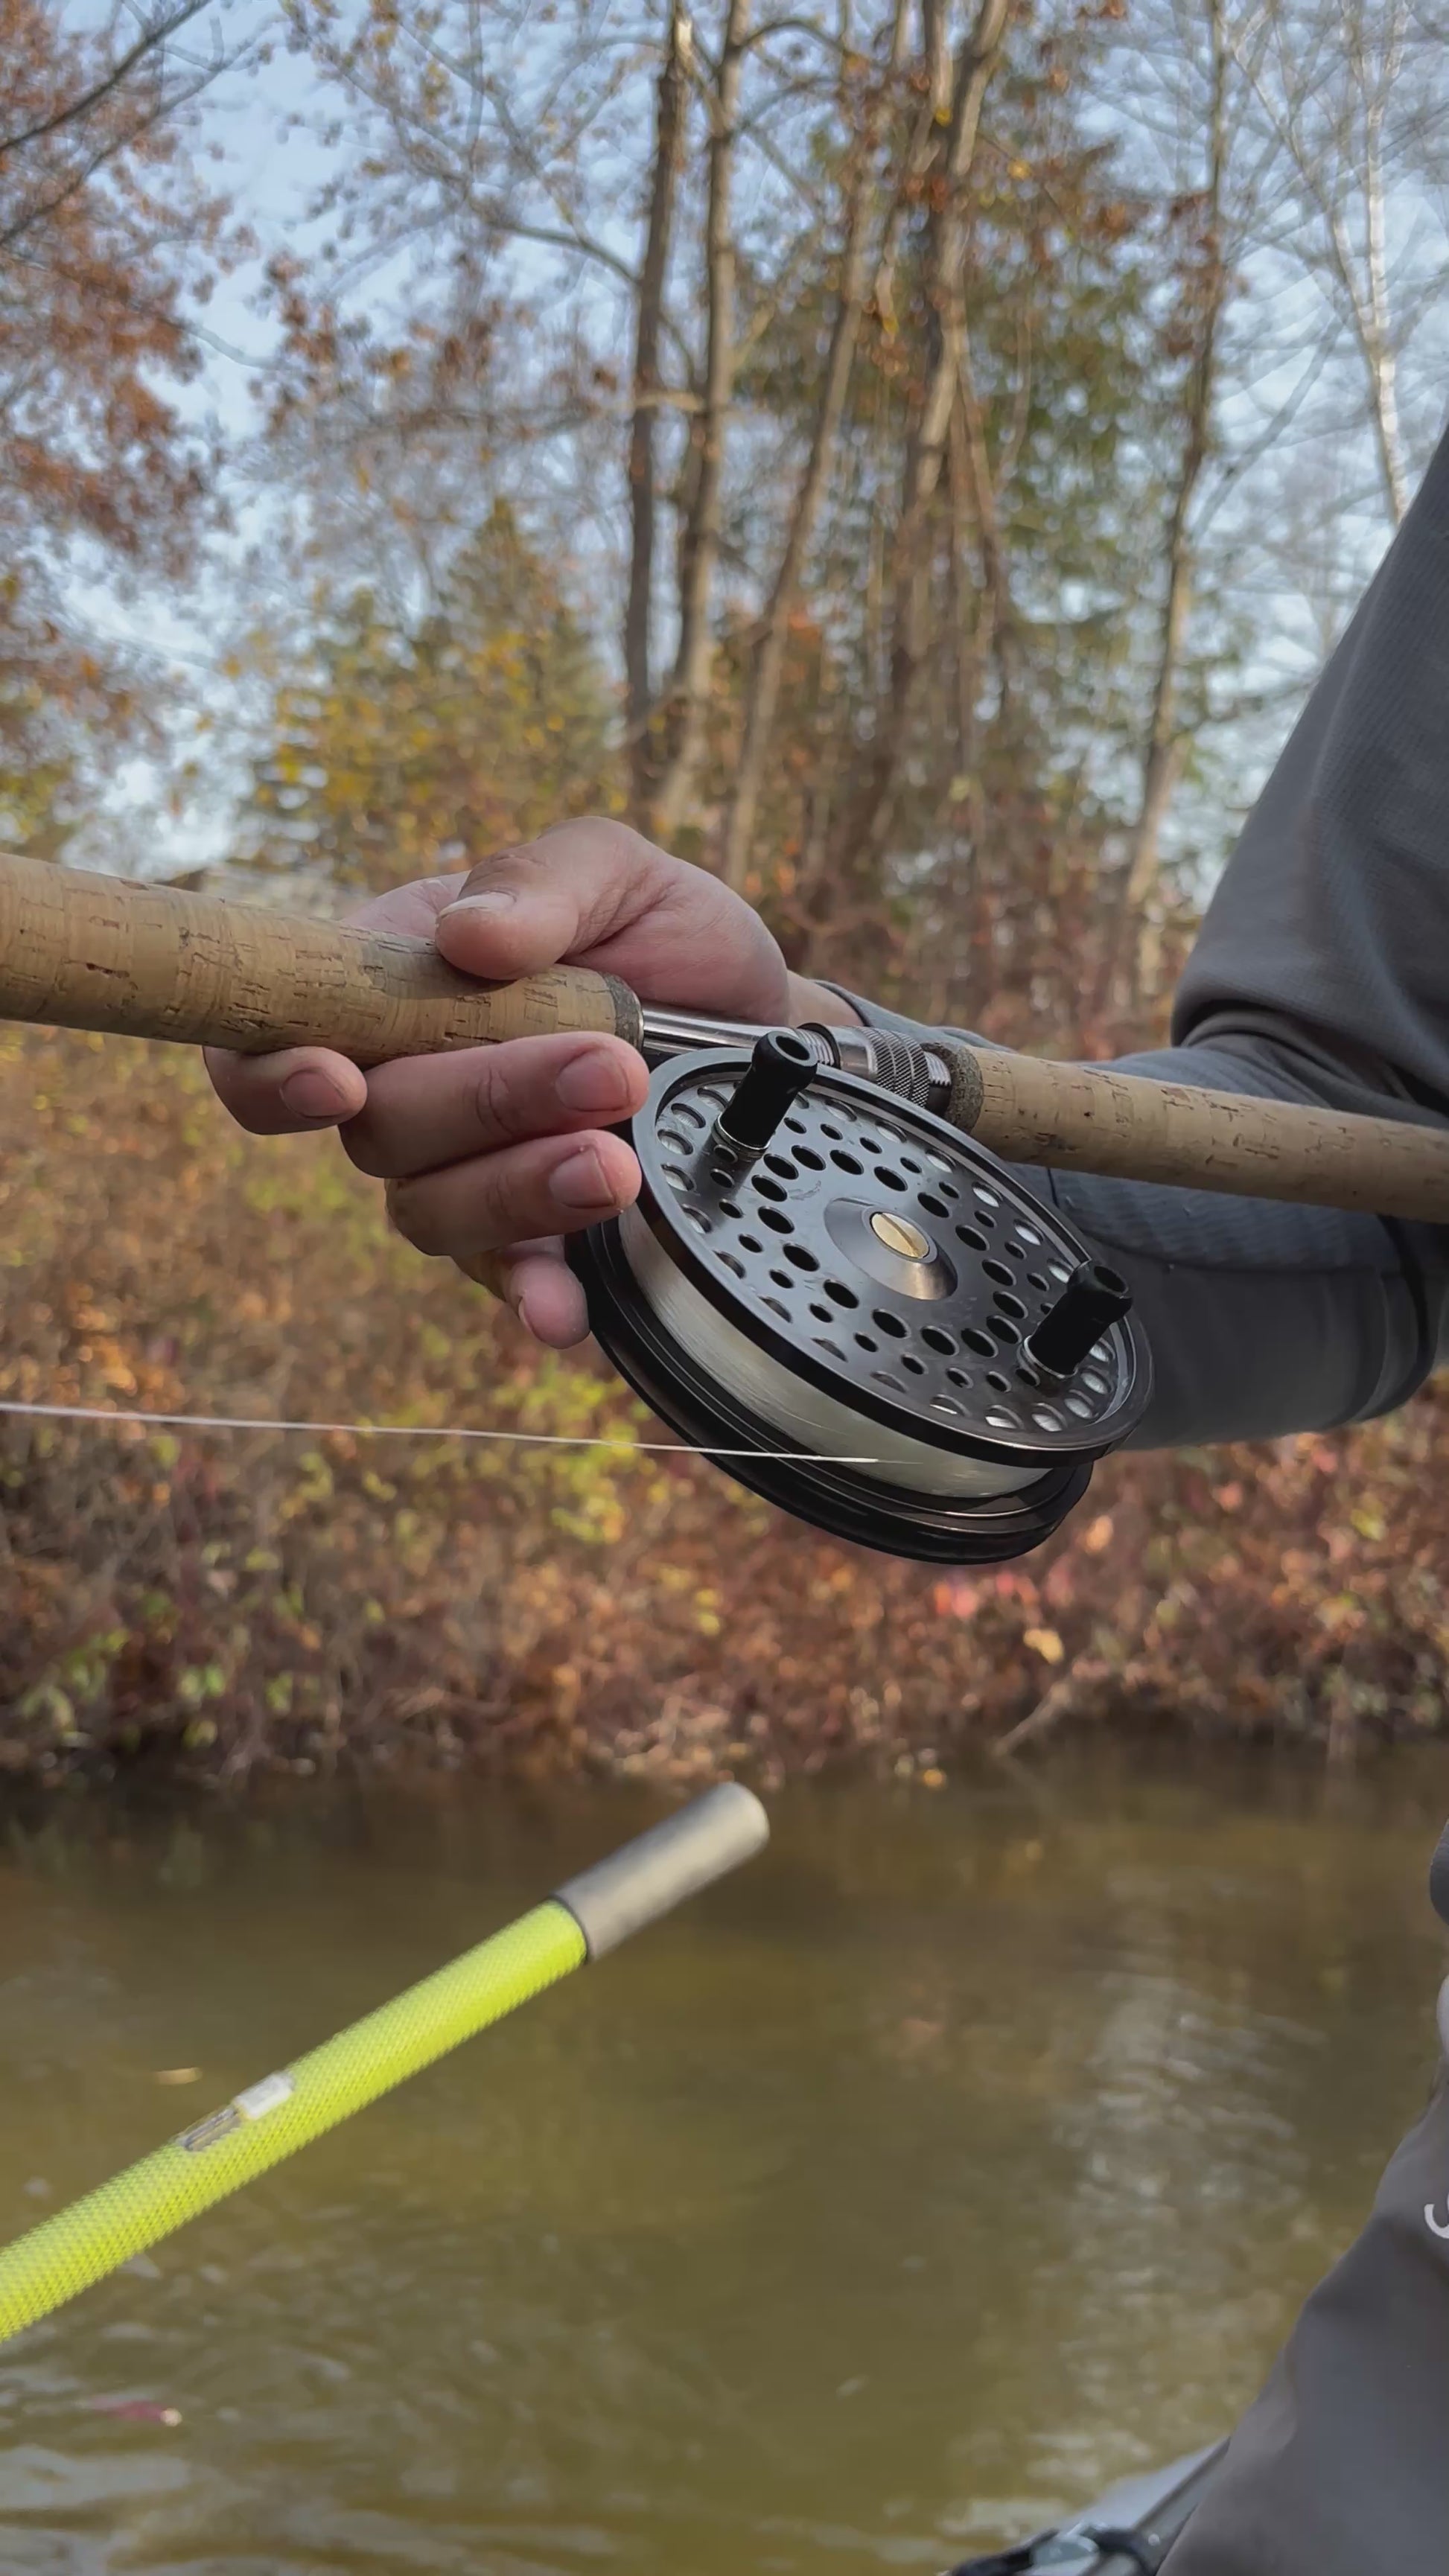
[1321,974]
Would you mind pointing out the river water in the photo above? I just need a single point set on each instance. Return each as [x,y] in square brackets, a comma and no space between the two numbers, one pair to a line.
[965,2152]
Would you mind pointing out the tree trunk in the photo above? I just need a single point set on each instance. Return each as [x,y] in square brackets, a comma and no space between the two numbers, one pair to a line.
[975,63]
[668,128]
[762,696]
[1379,353]
[699,554]
[976,462]
[976,607]
[935,110]
[1162,750]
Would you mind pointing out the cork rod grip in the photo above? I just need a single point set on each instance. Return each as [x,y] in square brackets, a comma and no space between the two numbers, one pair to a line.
[1084,1118]
[92,952]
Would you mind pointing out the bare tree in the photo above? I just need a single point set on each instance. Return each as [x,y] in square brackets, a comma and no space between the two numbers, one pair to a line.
[1207,276]
[648,388]
[1350,91]
[1312,118]
[975,61]
[914,505]
[762,692]
[688,703]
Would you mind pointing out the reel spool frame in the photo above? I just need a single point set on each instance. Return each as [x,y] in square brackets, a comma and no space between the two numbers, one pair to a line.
[860,1313]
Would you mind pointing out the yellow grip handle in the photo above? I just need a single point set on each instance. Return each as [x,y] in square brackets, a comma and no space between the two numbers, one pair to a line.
[92,952]
[80,2244]
[592,1914]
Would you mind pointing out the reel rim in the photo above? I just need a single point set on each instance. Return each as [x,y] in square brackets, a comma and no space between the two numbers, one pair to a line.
[657,1206]
[716,1415]
[845,1502]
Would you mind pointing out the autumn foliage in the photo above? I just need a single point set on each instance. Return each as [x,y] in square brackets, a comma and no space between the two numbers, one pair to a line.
[398,747]
[108,239]
[233,1600]
[819,446]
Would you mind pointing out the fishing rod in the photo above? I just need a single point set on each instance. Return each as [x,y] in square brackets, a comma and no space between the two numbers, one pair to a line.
[584,1919]
[102,953]
[828,1257]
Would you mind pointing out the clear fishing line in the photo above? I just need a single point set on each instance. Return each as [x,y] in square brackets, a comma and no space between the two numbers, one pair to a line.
[822,1428]
[117,1414]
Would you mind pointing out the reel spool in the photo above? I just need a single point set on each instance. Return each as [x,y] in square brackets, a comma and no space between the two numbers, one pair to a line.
[906,1347]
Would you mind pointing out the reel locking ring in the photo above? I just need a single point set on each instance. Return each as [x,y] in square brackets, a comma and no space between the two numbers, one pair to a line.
[816,1268]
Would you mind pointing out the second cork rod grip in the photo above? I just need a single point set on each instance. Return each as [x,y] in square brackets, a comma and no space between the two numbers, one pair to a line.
[90,952]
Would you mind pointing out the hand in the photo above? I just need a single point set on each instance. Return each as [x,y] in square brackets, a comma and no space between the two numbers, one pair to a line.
[492,1155]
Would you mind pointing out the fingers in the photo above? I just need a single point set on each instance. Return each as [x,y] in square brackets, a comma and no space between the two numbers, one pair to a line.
[493,1154]
[535,1281]
[549,1301]
[424,1111]
[559,896]
[592,892]
[411,910]
[552,1185]
[286,1094]
[597,894]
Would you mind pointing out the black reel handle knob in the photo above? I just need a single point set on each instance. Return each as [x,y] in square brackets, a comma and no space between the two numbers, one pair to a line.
[1093,1298]
[780,1068]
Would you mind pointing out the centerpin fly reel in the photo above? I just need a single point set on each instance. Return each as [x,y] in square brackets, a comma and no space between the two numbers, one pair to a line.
[867,1314]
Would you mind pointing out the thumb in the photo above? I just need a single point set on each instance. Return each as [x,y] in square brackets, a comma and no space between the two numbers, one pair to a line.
[560,897]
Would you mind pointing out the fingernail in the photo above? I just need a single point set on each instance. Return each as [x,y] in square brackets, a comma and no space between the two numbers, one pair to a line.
[310,1094]
[596,1080]
[580,1182]
[500,899]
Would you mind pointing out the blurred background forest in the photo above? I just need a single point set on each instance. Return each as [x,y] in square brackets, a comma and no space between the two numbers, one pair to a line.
[910,459]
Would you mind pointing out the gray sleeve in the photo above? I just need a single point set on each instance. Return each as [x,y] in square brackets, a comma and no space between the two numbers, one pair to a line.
[1321,974]
[1341,2467]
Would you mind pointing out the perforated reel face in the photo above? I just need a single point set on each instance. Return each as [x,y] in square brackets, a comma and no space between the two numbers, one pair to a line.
[866,1287]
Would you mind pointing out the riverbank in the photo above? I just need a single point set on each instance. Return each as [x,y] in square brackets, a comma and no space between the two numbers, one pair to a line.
[220,1603]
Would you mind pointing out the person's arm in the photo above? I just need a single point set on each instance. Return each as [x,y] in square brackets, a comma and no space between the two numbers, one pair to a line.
[1321,974]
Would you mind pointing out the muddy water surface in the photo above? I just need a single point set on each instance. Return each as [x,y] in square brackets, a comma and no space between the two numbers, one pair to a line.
[966,2152]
